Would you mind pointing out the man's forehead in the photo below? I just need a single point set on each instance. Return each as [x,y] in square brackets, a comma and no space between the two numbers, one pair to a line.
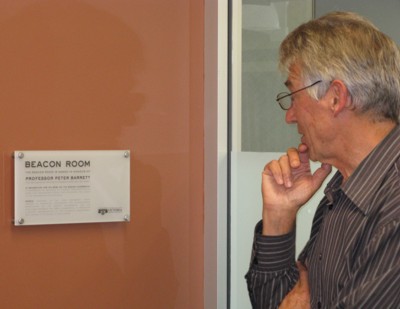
[294,76]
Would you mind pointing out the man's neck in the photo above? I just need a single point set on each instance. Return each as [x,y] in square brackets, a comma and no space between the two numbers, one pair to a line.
[357,142]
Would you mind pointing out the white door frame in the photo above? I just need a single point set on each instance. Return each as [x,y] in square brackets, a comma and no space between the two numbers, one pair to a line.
[215,154]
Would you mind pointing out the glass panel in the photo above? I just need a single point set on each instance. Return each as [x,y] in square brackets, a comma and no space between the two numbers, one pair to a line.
[259,131]
[264,25]
[385,15]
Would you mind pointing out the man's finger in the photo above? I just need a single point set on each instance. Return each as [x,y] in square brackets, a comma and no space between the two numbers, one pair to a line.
[294,158]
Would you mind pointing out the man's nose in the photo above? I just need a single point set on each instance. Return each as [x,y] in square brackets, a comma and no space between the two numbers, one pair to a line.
[290,116]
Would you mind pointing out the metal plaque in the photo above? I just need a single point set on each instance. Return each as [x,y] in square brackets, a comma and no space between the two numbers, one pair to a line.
[57,187]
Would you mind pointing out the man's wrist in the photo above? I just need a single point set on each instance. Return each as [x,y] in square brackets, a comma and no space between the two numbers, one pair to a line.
[278,222]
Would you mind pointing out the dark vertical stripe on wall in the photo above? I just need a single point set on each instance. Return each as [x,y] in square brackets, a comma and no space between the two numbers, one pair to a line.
[313,9]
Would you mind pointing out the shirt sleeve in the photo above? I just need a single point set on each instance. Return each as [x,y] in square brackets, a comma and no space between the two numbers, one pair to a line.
[375,279]
[273,271]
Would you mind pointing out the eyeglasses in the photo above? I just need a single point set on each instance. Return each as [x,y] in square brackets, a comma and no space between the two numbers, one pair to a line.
[284,98]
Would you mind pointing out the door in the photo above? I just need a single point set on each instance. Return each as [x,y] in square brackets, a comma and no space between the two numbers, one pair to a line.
[259,132]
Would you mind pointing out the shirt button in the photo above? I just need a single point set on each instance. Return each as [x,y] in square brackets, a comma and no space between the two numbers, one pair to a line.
[320,256]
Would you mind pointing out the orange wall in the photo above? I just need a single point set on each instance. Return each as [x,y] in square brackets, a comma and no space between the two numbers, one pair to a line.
[102,74]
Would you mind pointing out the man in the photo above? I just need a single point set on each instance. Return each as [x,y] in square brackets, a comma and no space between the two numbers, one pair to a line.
[344,84]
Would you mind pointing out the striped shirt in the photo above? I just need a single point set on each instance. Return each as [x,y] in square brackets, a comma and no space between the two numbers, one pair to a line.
[353,255]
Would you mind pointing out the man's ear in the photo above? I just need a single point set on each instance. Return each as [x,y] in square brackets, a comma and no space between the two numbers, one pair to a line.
[339,97]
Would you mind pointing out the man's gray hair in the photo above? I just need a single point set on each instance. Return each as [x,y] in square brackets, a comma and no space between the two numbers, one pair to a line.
[347,47]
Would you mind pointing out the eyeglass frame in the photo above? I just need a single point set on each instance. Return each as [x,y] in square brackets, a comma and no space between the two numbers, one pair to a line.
[283,95]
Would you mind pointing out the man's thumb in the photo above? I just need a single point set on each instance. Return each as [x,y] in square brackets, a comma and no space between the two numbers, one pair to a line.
[321,173]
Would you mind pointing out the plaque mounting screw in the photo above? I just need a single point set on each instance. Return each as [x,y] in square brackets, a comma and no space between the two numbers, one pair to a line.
[21,221]
[126,218]
[20,155]
[126,154]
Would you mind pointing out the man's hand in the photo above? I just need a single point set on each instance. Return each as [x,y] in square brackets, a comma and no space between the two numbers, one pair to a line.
[299,296]
[287,184]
